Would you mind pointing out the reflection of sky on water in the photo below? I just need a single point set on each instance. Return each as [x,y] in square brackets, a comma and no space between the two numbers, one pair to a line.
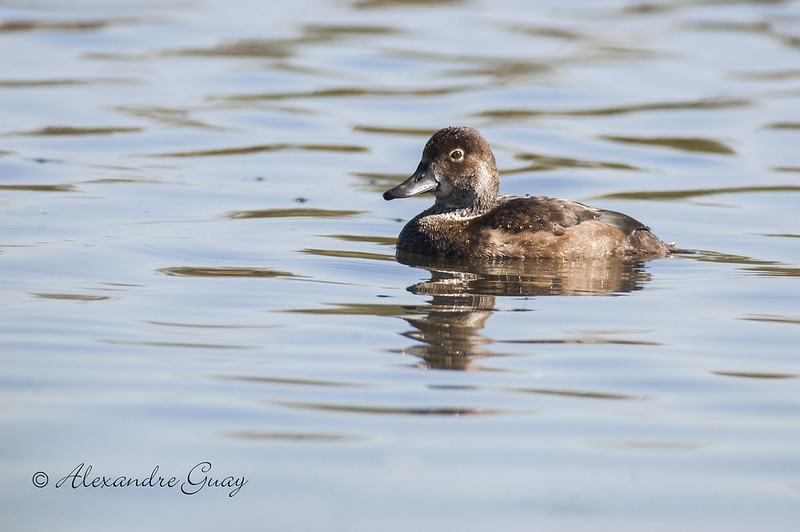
[197,264]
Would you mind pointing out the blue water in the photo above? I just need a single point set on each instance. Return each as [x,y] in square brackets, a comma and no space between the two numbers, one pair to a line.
[198,270]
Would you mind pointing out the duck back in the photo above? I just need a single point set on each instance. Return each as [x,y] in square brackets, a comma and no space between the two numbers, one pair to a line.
[532,227]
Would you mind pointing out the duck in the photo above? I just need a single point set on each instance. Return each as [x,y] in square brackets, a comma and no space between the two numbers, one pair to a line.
[470,219]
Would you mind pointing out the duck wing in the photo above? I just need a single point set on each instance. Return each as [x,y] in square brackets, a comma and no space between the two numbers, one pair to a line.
[515,214]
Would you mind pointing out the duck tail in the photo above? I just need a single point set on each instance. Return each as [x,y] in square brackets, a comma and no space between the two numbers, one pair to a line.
[678,251]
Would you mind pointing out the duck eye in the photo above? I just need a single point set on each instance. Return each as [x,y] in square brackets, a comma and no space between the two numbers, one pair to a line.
[456,155]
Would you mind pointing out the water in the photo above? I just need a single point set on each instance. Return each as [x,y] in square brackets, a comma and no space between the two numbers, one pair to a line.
[199,270]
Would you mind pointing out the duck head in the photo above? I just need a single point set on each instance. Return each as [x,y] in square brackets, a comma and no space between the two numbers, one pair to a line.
[458,168]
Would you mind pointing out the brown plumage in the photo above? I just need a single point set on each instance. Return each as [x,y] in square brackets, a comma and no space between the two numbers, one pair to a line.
[469,219]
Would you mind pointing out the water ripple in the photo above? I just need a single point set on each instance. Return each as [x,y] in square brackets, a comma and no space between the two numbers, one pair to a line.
[343,92]
[348,254]
[63,25]
[691,193]
[711,104]
[289,436]
[292,381]
[77,131]
[40,188]
[579,394]
[226,271]
[298,212]
[691,144]
[72,297]
[756,375]
[543,163]
[244,150]
[773,318]
[394,410]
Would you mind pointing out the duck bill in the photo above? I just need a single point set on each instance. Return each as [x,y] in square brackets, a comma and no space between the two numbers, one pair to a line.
[420,182]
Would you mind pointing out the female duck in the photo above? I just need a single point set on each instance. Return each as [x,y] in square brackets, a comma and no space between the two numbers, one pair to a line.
[469,219]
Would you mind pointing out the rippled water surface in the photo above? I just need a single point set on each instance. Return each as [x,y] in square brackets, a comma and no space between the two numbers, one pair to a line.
[198,269]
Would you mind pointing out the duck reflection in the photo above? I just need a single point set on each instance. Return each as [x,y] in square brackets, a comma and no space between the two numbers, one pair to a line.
[464,291]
